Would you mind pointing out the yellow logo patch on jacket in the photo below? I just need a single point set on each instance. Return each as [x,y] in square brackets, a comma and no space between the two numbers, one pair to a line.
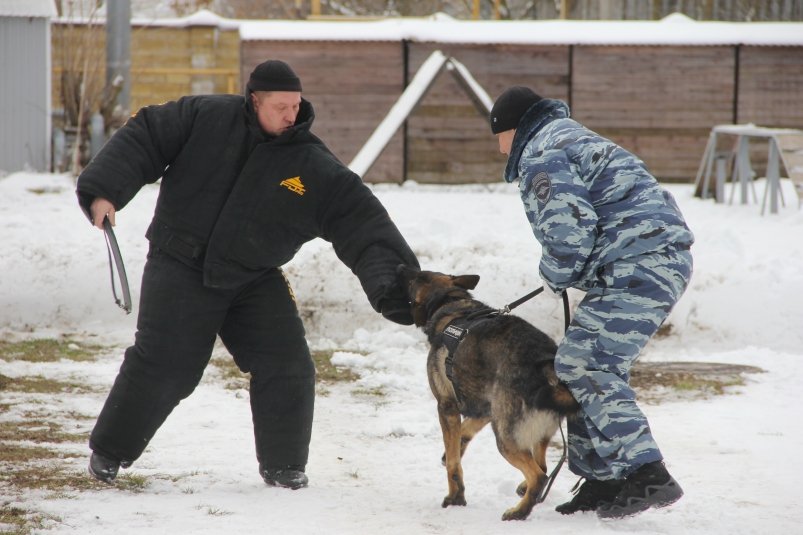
[293,184]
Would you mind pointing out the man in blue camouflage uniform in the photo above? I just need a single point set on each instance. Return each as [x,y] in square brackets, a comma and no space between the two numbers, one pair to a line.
[609,229]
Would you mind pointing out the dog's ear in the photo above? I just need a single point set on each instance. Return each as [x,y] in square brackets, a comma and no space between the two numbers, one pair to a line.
[469,282]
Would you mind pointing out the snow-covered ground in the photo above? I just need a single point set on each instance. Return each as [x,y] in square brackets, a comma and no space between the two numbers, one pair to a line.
[375,459]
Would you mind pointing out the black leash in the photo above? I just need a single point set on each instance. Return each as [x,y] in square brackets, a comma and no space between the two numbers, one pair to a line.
[565,297]
[521,300]
[551,479]
[116,260]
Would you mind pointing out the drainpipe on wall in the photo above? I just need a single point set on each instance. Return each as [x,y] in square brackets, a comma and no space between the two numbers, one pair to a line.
[118,50]
[736,65]
[405,82]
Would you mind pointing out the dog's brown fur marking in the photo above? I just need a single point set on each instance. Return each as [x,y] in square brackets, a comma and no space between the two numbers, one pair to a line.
[504,370]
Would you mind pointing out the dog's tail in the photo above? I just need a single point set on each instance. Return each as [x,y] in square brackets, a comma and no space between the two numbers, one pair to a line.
[564,399]
[558,397]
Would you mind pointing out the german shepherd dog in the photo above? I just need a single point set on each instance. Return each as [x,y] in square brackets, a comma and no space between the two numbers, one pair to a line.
[501,371]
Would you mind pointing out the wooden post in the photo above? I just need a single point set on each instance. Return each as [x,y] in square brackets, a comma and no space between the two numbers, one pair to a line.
[702,182]
[564,9]
[315,8]
[475,10]
[773,177]
[742,170]
[719,187]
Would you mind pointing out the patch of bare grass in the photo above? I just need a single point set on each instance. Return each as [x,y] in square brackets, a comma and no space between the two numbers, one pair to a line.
[49,350]
[39,384]
[24,467]
[326,372]
[233,378]
[19,521]
[38,431]
[51,477]
[131,482]
[656,381]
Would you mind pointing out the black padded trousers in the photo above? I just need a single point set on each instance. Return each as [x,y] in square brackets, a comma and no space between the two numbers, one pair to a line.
[178,322]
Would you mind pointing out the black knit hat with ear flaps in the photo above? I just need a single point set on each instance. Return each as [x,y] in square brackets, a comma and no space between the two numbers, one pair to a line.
[509,108]
[273,75]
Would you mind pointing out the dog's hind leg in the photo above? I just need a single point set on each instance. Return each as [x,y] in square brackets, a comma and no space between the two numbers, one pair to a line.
[450,426]
[468,430]
[540,457]
[534,477]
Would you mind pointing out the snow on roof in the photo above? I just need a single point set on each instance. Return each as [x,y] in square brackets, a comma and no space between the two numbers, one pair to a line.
[28,8]
[202,17]
[676,29]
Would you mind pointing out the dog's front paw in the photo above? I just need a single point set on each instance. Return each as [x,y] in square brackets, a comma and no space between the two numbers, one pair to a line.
[454,500]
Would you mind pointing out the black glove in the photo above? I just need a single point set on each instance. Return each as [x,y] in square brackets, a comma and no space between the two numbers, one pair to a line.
[395,305]
[397,311]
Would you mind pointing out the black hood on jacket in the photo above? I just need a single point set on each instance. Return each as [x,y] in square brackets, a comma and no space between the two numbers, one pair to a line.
[539,114]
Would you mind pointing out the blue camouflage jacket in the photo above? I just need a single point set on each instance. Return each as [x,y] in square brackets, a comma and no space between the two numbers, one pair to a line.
[589,201]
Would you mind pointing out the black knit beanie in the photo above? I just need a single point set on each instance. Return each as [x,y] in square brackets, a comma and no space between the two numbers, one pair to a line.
[509,108]
[273,75]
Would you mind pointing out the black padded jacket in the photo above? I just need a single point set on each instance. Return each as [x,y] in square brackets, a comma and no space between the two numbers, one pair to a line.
[234,201]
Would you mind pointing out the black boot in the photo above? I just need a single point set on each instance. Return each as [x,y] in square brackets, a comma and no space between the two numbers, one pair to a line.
[591,495]
[289,477]
[102,468]
[649,486]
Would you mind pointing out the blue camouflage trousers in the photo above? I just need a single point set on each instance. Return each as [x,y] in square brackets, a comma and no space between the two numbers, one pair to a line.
[611,437]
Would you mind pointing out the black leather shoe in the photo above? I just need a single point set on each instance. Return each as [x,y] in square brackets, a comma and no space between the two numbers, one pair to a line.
[651,486]
[289,477]
[102,468]
[591,495]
